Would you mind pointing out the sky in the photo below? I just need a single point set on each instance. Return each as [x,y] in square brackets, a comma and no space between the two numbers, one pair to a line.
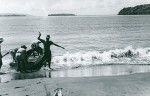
[79,7]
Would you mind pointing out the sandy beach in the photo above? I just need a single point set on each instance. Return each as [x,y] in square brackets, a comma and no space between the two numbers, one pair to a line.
[82,47]
[128,85]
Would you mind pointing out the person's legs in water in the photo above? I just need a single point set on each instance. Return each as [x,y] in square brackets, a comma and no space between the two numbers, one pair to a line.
[18,62]
[1,63]
[48,60]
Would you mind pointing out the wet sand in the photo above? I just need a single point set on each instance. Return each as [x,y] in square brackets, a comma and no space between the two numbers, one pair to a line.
[127,85]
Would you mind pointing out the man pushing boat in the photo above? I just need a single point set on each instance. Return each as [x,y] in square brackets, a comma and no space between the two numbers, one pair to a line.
[47,52]
[21,56]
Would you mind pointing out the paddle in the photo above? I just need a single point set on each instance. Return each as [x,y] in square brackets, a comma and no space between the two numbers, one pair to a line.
[5,54]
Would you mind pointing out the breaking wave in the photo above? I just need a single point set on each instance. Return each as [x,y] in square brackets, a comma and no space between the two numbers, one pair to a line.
[128,55]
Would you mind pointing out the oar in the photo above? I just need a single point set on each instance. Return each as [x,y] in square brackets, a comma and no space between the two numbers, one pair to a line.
[5,54]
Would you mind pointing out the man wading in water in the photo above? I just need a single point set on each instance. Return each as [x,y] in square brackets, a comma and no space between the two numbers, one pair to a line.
[47,52]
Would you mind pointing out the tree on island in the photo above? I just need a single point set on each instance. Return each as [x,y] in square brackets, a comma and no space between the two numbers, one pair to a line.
[137,10]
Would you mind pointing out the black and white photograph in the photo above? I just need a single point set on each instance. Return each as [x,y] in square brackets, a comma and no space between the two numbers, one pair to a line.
[74,47]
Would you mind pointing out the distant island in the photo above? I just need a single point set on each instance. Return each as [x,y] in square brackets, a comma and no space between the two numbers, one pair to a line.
[11,14]
[137,10]
[63,14]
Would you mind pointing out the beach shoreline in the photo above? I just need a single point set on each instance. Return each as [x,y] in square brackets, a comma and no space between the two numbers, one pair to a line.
[125,85]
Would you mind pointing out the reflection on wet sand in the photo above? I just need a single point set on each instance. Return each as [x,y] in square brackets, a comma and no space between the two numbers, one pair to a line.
[103,70]
[21,76]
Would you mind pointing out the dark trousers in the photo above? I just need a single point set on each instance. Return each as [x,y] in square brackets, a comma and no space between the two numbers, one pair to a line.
[47,58]
[1,63]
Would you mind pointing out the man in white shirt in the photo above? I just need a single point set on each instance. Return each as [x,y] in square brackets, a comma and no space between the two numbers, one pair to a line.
[23,48]
[21,58]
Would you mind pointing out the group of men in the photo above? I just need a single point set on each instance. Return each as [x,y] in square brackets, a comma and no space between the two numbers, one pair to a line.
[45,52]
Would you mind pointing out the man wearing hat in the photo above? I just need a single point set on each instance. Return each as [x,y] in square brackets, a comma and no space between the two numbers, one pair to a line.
[47,52]
[1,40]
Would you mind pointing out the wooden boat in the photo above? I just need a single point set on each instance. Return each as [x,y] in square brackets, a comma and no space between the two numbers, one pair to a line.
[32,64]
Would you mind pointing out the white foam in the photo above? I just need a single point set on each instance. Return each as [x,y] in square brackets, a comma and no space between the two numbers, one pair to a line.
[83,58]
[140,56]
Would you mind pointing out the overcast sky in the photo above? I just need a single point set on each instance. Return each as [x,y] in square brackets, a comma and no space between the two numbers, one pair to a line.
[81,7]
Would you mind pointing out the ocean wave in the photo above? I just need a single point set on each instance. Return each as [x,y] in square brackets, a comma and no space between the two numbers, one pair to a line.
[128,55]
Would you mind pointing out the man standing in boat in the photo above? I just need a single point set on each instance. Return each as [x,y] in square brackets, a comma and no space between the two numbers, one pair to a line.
[47,52]
[1,40]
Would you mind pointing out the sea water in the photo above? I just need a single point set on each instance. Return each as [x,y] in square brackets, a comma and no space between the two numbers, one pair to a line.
[89,40]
